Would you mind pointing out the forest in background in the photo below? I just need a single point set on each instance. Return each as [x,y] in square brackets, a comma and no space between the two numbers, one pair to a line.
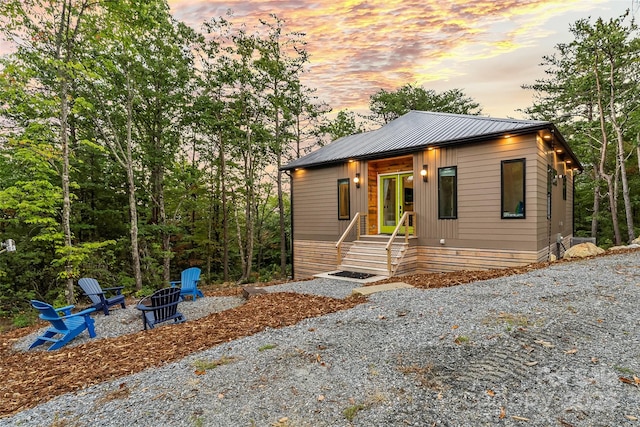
[133,146]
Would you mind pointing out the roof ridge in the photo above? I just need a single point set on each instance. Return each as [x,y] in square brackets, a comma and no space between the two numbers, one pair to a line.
[473,116]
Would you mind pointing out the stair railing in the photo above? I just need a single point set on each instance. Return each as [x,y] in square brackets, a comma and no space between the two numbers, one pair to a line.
[404,221]
[354,222]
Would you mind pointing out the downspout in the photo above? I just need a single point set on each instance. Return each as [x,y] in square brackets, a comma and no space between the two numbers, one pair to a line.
[573,207]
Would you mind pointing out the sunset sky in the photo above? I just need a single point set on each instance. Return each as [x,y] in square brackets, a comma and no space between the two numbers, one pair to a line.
[487,48]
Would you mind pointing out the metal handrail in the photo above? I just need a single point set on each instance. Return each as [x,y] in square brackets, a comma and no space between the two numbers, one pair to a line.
[354,221]
[405,220]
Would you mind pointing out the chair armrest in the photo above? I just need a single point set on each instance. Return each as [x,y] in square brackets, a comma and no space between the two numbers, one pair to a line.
[66,309]
[116,289]
[174,283]
[85,312]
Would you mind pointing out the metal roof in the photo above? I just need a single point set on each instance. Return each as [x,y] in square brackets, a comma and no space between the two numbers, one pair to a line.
[417,130]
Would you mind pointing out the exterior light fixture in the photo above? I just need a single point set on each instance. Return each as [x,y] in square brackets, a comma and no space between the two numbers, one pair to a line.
[423,173]
[8,246]
[356,180]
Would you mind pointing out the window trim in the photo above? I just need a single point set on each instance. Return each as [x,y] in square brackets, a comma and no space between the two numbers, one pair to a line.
[455,192]
[524,188]
[344,182]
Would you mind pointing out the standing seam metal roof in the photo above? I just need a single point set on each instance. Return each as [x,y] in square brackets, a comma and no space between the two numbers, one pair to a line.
[414,131]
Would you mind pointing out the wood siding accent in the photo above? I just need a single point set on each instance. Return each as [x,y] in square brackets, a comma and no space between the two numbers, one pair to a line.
[439,259]
[378,167]
[313,257]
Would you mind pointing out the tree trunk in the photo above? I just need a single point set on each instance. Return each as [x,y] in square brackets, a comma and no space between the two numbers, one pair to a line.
[225,214]
[66,192]
[66,44]
[596,205]
[133,210]
[603,156]
[628,208]
[283,233]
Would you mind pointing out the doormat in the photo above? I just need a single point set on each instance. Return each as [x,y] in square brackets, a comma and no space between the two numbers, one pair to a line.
[352,275]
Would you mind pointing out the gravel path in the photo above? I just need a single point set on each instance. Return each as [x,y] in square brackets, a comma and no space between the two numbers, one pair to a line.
[554,347]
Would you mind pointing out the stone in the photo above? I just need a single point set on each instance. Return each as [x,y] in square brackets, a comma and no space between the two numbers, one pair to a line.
[582,250]
[252,291]
[636,241]
[368,290]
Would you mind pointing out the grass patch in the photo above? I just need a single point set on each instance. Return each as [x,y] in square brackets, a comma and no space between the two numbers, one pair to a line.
[351,411]
[203,365]
[512,321]
[625,371]
[462,339]
[267,347]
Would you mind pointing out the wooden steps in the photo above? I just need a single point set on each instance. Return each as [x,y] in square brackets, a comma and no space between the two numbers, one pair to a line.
[370,256]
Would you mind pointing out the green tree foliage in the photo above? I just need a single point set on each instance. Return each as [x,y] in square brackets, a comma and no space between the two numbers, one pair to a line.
[592,92]
[386,106]
[344,124]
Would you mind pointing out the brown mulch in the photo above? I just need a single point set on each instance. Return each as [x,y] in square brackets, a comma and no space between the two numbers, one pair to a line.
[31,378]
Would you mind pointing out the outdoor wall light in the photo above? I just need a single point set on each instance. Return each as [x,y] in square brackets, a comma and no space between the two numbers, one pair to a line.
[8,246]
[423,173]
[356,180]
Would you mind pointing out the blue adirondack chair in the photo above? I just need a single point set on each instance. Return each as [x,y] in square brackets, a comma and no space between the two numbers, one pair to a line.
[189,283]
[63,328]
[92,288]
[161,306]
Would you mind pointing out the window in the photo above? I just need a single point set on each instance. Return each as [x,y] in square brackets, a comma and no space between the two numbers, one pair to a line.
[344,200]
[564,187]
[448,193]
[513,172]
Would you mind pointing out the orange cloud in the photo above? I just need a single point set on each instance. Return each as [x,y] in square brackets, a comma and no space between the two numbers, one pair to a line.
[357,47]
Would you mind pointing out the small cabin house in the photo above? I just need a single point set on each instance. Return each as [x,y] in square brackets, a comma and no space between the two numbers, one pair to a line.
[433,192]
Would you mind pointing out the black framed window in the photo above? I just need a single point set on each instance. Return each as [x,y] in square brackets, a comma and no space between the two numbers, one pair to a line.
[513,188]
[564,187]
[344,199]
[448,192]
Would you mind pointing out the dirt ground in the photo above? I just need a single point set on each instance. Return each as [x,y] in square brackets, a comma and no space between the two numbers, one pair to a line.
[30,378]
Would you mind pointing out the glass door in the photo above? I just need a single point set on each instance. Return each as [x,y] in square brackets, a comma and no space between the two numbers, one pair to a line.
[396,198]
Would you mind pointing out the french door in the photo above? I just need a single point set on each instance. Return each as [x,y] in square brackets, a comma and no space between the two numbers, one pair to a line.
[395,198]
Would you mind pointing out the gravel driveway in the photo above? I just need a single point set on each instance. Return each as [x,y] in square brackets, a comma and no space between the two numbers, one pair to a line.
[558,346]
